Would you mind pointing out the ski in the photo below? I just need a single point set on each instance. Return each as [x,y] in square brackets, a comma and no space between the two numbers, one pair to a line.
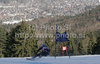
[30,58]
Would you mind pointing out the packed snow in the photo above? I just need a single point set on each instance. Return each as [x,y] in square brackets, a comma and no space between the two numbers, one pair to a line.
[84,59]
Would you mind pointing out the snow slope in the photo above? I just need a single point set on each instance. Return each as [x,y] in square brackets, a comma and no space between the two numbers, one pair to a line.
[86,59]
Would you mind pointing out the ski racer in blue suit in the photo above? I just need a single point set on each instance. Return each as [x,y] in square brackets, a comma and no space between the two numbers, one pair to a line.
[45,51]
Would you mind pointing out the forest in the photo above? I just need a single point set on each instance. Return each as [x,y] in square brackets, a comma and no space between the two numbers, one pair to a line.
[15,46]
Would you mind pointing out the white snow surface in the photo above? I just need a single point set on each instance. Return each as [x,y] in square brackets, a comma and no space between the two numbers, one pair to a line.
[83,59]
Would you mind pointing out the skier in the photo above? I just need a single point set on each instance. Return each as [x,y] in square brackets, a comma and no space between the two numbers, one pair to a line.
[45,51]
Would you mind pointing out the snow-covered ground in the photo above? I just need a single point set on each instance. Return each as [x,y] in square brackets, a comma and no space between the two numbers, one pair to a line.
[86,59]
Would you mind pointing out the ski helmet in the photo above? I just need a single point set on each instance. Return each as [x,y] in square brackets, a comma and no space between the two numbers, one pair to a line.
[43,45]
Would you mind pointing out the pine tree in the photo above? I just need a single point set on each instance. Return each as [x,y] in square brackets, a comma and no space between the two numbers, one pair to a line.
[72,46]
[93,38]
[90,46]
[96,48]
[21,41]
[59,48]
[91,43]
[2,41]
[81,48]
[85,42]
[49,44]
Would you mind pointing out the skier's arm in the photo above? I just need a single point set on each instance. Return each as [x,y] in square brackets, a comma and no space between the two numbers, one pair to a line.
[39,49]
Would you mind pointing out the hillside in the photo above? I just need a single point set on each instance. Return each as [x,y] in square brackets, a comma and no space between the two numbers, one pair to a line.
[87,21]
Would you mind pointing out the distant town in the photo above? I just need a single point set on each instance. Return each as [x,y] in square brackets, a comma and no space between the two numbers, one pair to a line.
[15,12]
